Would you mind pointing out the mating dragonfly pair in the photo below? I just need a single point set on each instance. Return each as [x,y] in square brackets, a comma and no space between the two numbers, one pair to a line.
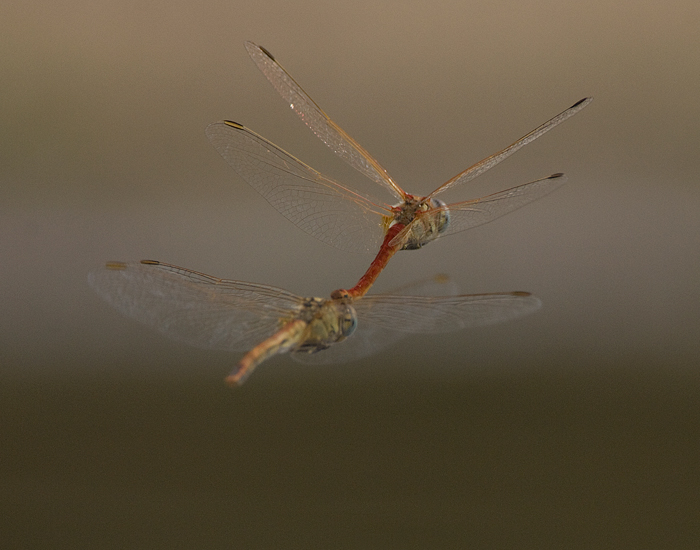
[232,315]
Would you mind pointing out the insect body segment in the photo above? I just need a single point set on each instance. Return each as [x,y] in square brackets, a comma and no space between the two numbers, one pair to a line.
[283,341]
[317,325]
[389,247]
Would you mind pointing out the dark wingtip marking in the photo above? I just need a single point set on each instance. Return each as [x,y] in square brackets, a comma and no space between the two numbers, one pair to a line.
[521,293]
[150,262]
[584,100]
[234,124]
[268,54]
[557,175]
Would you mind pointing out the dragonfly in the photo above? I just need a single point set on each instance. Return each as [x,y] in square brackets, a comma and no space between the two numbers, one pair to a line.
[345,218]
[264,321]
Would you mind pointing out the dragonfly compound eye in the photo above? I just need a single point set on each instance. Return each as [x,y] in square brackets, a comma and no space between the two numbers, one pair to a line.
[443,217]
[349,321]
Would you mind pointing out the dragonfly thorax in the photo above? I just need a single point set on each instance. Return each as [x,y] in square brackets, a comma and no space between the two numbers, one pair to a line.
[406,211]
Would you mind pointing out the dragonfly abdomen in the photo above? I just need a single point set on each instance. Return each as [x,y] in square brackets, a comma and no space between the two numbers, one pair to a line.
[286,339]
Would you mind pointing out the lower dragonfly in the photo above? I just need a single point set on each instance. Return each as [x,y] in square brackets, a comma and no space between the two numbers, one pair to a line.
[350,220]
[213,313]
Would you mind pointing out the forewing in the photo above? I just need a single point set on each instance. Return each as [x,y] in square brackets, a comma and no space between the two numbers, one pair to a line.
[370,337]
[468,214]
[319,206]
[319,122]
[194,308]
[489,162]
[434,314]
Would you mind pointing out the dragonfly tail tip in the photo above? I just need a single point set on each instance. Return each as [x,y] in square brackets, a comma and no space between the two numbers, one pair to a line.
[233,380]
[238,376]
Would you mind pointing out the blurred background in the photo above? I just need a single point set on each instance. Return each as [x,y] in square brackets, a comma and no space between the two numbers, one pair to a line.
[576,427]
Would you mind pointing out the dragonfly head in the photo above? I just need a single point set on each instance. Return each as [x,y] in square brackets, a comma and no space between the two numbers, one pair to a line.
[430,218]
[342,312]
[327,322]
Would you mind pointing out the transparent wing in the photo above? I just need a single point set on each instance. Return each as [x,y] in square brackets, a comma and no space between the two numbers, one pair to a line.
[467,214]
[370,337]
[489,162]
[384,320]
[436,285]
[194,308]
[319,122]
[432,314]
[319,206]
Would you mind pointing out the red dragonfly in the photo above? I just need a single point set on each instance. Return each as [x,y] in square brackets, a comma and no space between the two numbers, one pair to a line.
[213,313]
[345,218]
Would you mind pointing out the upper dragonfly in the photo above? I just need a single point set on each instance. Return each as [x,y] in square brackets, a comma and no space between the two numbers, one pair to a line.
[350,220]
[214,313]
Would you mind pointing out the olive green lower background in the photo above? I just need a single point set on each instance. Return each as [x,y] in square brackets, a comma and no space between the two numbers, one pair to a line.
[537,460]
[576,427]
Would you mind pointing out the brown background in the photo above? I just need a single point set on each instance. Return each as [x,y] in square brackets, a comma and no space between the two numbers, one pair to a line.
[574,428]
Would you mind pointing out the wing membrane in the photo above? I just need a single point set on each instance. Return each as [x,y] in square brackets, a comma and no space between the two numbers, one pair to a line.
[370,337]
[489,162]
[384,320]
[319,122]
[432,314]
[468,214]
[475,212]
[194,308]
[319,206]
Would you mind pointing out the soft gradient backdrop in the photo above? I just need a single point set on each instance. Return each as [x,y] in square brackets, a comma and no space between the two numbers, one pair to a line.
[577,427]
